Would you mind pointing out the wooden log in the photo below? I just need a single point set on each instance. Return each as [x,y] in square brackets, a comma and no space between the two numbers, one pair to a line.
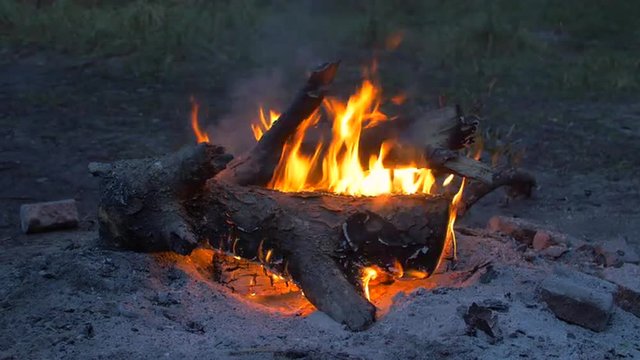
[141,200]
[322,241]
[445,128]
[249,278]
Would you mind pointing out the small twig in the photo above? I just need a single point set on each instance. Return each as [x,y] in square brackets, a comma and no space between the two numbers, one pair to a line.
[519,183]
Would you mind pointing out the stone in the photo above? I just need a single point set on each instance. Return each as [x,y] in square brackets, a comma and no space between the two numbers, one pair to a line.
[615,253]
[527,232]
[627,279]
[530,255]
[554,251]
[587,303]
[47,216]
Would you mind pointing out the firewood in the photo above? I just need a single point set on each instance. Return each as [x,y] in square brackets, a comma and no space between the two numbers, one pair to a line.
[321,241]
[318,240]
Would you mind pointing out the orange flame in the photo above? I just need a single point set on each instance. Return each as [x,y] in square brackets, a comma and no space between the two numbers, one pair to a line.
[397,270]
[264,124]
[294,167]
[335,166]
[368,274]
[450,243]
[201,136]
[339,162]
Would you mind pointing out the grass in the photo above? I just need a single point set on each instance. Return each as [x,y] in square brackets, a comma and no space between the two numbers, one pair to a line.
[153,35]
[468,47]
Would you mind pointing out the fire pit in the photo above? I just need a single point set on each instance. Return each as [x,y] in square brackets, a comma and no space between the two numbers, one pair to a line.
[305,210]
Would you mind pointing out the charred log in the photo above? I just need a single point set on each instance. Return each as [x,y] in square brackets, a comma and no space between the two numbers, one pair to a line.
[141,207]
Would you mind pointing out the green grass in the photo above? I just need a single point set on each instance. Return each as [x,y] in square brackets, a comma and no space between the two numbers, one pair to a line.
[153,35]
[466,47]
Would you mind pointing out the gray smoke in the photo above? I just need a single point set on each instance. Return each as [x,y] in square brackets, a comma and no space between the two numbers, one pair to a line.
[289,43]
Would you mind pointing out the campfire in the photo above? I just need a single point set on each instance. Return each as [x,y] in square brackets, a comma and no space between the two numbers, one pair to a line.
[334,197]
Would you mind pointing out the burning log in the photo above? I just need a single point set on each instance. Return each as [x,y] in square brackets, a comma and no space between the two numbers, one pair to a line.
[325,243]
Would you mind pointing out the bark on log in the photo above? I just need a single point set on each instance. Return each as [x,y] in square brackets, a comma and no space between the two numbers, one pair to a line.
[322,241]
[141,200]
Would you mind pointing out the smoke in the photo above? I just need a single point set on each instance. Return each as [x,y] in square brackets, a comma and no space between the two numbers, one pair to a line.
[288,44]
[233,130]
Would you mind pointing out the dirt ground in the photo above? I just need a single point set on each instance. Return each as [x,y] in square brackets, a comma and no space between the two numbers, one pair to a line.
[63,295]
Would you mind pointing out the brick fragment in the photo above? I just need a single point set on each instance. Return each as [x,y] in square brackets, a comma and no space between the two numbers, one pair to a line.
[47,216]
[577,301]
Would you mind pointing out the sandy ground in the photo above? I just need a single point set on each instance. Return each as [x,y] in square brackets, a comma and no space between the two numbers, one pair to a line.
[64,295]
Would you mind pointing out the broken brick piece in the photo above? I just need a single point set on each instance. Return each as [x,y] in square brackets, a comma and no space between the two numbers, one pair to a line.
[47,216]
[521,230]
[577,301]
[542,240]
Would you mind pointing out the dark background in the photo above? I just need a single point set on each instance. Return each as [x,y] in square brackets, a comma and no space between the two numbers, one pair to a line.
[88,81]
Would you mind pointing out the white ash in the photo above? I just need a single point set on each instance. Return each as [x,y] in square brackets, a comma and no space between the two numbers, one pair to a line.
[100,303]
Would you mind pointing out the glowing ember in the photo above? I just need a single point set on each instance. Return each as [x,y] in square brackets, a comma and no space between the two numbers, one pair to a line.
[368,274]
[394,40]
[399,99]
[201,136]
[416,274]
